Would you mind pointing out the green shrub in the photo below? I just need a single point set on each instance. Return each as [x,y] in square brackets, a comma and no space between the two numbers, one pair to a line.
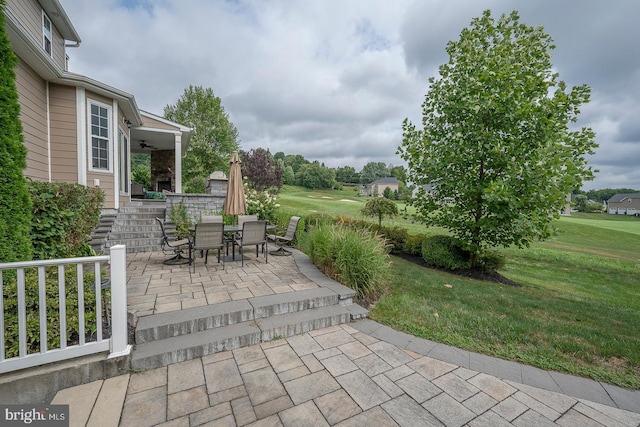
[53,314]
[63,217]
[445,252]
[395,237]
[356,258]
[317,219]
[491,260]
[15,204]
[413,244]
[180,217]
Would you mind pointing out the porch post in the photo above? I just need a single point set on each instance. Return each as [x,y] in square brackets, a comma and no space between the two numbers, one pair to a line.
[119,332]
[178,162]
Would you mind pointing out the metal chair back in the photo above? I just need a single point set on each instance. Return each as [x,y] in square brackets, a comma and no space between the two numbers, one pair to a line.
[210,236]
[254,233]
[211,218]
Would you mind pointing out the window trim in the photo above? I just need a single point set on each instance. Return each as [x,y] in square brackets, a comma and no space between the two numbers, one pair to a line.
[47,34]
[108,139]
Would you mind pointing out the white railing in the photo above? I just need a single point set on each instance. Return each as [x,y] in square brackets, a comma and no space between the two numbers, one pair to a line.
[116,344]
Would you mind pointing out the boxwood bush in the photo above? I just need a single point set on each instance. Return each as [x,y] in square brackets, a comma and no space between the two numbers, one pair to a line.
[445,252]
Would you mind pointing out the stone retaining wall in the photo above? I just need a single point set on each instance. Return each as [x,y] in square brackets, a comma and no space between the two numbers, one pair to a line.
[196,204]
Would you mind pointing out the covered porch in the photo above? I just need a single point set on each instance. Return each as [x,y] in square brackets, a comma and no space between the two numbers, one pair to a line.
[166,143]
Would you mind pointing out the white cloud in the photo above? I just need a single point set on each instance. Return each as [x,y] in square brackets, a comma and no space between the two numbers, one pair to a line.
[333,80]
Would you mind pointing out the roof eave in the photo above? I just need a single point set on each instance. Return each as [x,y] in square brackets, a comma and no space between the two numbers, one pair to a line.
[60,19]
[126,101]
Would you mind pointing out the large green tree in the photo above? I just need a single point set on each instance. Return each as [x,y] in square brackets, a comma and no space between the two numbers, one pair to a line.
[296,161]
[373,171]
[315,176]
[347,175]
[213,137]
[15,203]
[496,139]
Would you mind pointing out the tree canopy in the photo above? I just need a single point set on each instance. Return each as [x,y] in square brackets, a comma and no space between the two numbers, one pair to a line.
[380,207]
[314,176]
[373,171]
[213,136]
[496,146]
[261,170]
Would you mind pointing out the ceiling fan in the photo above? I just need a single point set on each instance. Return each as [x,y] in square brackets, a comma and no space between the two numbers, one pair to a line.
[144,145]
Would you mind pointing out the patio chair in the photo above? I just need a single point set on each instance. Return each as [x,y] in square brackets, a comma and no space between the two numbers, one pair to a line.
[288,237]
[254,233]
[211,218]
[176,247]
[209,236]
[244,218]
[241,220]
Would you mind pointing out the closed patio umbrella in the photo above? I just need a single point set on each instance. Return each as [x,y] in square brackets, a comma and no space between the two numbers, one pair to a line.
[234,202]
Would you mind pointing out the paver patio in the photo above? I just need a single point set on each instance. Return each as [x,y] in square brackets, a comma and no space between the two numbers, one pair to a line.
[361,373]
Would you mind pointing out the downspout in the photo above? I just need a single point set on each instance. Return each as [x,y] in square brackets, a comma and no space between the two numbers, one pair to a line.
[48,133]
[81,133]
[116,155]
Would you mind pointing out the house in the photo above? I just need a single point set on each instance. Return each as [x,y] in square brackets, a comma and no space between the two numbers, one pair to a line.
[377,187]
[624,204]
[416,190]
[77,129]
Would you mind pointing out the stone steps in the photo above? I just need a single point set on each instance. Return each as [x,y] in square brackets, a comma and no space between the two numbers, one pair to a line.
[176,336]
[136,227]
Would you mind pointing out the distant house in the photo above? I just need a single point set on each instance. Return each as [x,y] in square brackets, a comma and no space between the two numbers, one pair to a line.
[624,204]
[77,129]
[377,187]
[416,190]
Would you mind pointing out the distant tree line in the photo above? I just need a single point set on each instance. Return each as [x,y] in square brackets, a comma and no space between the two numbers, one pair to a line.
[605,194]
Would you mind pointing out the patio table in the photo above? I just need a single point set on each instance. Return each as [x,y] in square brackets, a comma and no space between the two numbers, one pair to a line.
[230,230]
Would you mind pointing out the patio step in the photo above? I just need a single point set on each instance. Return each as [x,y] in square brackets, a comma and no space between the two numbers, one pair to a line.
[181,322]
[135,226]
[176,336]
[164,352]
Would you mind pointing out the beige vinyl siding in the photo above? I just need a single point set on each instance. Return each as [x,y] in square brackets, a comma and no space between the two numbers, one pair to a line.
[156,124]
[57,49]
[32,97]
[63,123]
[106,184]
[29,13]
[99,98]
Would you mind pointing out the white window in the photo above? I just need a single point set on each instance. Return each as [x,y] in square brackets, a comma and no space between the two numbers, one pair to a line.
[100,141]
[46,33]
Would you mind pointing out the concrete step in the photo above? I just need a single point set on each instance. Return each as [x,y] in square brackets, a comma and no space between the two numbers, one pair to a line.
[179,348]
[137,234]
[176,336]
[167,325]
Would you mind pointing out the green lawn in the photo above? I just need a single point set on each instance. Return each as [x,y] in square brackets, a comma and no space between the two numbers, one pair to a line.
[577,309]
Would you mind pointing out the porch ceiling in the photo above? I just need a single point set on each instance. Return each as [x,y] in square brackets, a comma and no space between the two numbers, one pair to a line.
[152,140]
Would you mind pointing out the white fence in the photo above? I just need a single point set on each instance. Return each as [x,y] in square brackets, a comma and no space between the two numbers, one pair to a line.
[87,343]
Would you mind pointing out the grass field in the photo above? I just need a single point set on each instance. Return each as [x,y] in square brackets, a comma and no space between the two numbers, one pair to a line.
[577,309]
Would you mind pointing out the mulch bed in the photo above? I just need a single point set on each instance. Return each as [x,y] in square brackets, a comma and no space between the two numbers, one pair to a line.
[487,275]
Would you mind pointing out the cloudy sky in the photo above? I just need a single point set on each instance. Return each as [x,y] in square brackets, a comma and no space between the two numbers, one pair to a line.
[333,79]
